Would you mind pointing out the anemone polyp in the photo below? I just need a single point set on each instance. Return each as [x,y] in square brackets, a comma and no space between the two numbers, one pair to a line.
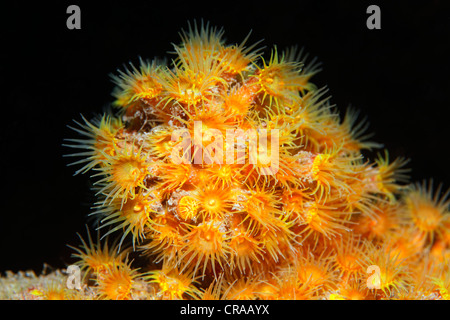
[95,258]
[246,250]
[136,84]
[173,284]
[132,216]
[188,207]
[116,282]
[280,78]
[214,202]
[101,137]
[205,244]
[125,171]
[427,209]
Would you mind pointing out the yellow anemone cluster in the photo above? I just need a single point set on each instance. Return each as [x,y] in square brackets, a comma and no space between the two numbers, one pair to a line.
[235,178]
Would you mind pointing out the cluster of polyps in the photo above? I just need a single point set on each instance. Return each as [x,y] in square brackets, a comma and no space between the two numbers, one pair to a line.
[283,207]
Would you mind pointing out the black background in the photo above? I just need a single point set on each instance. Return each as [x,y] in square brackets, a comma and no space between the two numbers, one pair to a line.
[398,76]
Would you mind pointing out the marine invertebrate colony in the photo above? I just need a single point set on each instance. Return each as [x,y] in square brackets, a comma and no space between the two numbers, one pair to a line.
[235,178]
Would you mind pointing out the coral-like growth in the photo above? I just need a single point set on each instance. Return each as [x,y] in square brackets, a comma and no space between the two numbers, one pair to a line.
[235,178]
